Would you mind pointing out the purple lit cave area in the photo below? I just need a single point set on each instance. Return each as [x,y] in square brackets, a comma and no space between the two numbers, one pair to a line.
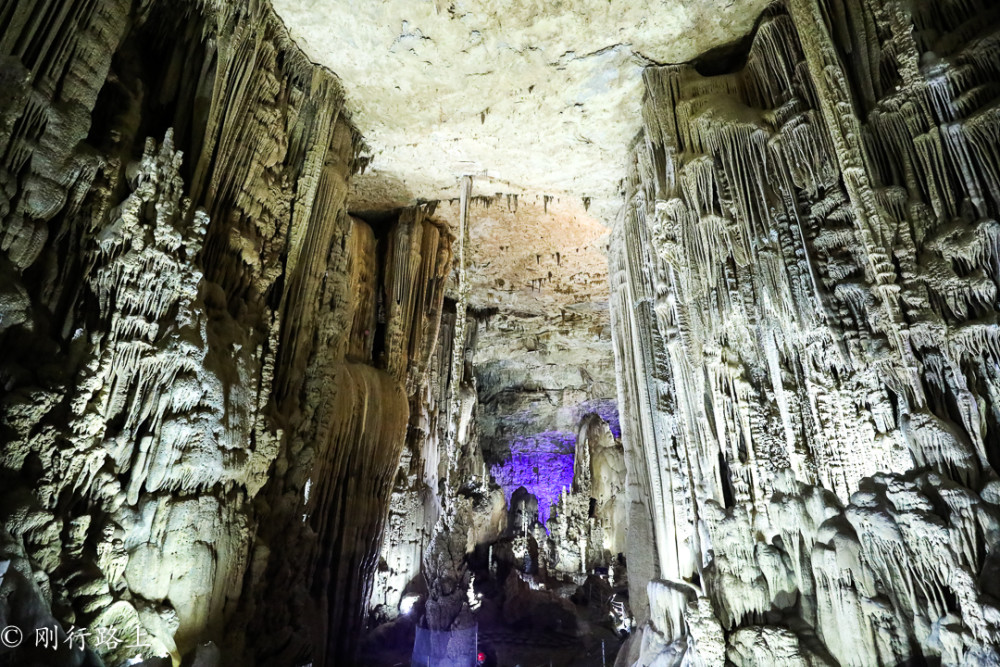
[606,409]
[543,464]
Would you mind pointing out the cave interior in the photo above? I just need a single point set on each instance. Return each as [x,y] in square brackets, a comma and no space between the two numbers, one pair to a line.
[661,333]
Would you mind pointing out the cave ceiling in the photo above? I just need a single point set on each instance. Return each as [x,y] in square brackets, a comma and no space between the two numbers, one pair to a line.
[526,96]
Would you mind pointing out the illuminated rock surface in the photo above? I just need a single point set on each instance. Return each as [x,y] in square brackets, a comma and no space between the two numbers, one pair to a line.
[804,290]
[705,356]
[527,96]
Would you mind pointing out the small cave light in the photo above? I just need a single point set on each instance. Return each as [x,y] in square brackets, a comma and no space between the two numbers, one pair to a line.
[407,603]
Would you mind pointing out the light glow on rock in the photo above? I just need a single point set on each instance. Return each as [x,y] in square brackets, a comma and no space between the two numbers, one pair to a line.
[543,464]
[407,603]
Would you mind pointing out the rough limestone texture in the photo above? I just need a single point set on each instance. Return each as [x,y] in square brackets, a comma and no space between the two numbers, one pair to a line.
[540,352]
[526,96]
[541,347]
[536,364]
[251,400]
[207,366]
[804,283]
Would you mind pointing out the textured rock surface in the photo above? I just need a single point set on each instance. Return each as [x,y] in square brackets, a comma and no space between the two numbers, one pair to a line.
[246,426]
[541,348]
[208,367]
[543,366]
[804,291]
[537,361]
[528,96]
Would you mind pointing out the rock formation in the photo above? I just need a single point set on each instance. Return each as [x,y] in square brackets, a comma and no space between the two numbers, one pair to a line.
[418,355]
[804,293]
[209,367]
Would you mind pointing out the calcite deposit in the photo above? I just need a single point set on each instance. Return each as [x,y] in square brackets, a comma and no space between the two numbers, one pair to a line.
[804,294]
[580,333]
[208,366]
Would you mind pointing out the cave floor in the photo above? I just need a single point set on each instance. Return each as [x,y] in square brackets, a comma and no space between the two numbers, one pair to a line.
[510,648]
[529,649]
[528,644]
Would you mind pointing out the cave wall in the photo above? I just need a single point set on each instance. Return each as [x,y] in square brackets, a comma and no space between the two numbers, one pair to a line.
[417,488]
[369,371]
[804,300]
[540,341]
[534,397]
[207,365]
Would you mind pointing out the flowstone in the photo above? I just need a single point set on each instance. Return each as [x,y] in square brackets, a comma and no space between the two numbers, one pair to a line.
[804,296]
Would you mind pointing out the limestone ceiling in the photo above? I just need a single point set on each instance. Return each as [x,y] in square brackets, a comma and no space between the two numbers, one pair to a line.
[534,96]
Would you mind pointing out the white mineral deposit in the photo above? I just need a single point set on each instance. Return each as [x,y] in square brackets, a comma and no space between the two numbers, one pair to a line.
[649,333]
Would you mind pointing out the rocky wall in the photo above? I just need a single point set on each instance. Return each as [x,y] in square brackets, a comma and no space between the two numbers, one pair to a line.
[207,365]
[804,300]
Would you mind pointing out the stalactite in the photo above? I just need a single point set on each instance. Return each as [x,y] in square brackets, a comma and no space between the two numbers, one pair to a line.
[817,231]
[189,327]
